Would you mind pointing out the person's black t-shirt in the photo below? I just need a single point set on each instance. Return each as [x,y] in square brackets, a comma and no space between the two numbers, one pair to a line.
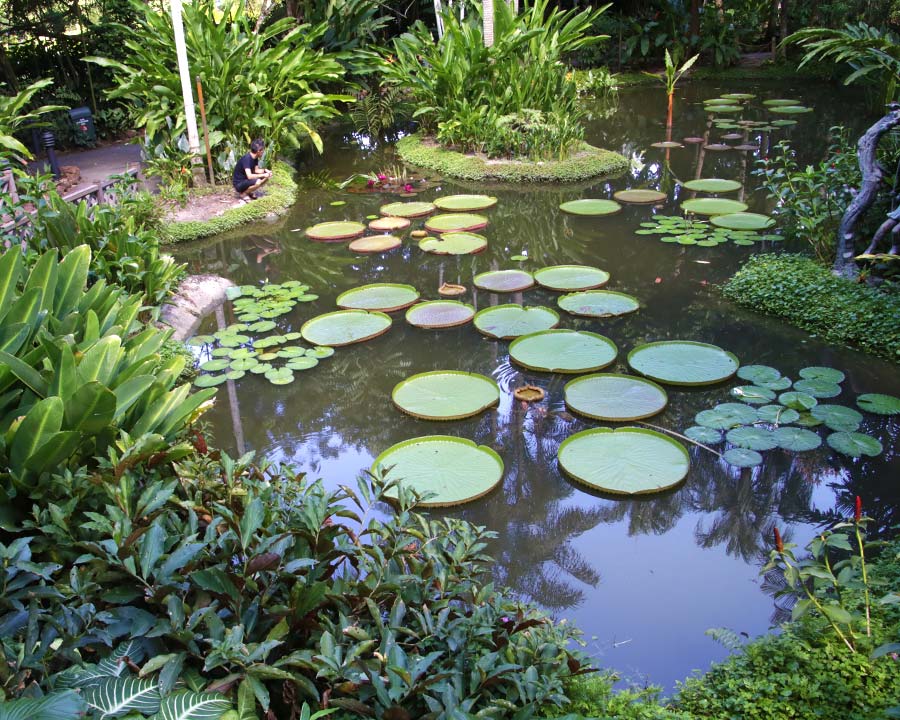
[247,162]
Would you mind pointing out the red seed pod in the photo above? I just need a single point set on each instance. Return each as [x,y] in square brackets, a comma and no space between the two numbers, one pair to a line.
[858,515]
[779,544]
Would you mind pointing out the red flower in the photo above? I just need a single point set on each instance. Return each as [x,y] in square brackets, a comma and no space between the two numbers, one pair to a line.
[779,544]
[858,515]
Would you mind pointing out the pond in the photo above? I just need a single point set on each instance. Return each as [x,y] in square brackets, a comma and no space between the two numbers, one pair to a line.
[644,578]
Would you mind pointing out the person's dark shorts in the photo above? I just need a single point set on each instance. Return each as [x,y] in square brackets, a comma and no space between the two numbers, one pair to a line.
[241,185]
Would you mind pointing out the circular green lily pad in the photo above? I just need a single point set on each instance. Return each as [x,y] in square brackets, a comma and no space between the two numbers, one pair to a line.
[738,96]
[753,394]
[280,376]
[335,231]
[301,363]
[704,435]
[244,364]
[713,185]
[727,109]
[563,351]
[389,224]
[666,144]
[718,147]
[879,403]
[742,221]
[375,244]
[234,374]
[215,365]
[752,438]
[261,326]
[777,414]
[598,303]
[385,297]
[199,340]
[501,281]
[726,416]
[796,439]
[742,457]
[571,278]
[455,222]
[818,388]
[854,444]
[826,374]
[345,327]
[789,109]
[451,470]
[518,258]
[454,243]
[407,209]
[775,102]
[713,206]
[807,420]
[838,417]
[640,197]
[445,395]
[591,207]
[320,352]
[439,314]
[758,373]
[510,321]
[682,362]
[465,203]
[614,397]
[207,381]
[800,401]
[626,461]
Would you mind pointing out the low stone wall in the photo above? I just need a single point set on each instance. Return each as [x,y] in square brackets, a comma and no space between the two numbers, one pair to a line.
[197,296]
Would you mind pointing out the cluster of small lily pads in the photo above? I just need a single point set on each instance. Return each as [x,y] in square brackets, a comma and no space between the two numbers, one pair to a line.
[736,103]
[239,348]
[776,412]
[691,231]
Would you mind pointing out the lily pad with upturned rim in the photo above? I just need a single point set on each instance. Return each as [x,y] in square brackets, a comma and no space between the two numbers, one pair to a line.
[563,351]
[335,231]
[683,362]
[615,397]
[437,314]
[640,196]
[511,321]
[389,224]
[454,243]
[465,203]
[571,278]
[713,206]
[590,207]
[598,303]
[407,209]
[375,244]
[445,395]
[384,297]
[879,403]
[503,281]
[712,185]
[625,461]
[854,444]
[455,222]
[666,144]
[452,470]
[742,221]
[345,327]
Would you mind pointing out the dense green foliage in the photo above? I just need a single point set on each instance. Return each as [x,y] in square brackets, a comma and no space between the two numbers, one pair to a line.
[806,294]
[14,114]
[512,99]
[589,163]
[255,84]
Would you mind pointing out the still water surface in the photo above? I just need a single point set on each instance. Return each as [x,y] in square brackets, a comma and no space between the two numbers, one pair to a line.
[643,578]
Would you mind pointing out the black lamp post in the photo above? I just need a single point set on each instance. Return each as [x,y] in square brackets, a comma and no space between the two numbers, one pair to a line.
[48,138]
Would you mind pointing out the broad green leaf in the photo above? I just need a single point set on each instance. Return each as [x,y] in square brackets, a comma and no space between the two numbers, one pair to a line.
[99,361]
[41,422]
[66,705]
[90,409]
[129,392]
[193,706]
[10,270]
[252,520]
[43,277]
[73,274]
[114,697]
[54,453]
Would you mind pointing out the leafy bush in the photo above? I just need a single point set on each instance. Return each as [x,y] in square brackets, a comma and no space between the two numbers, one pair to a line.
[806,294]
[466,94]
[14,114]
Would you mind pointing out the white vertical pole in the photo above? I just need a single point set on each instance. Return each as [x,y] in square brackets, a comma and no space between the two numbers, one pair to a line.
[185,74]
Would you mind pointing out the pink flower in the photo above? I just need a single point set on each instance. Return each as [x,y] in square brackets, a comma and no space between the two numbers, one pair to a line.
[407,188]
[370,183]
[381,177]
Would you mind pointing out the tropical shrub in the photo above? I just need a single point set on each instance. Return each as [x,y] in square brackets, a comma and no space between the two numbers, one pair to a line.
[14,113]
[267,83]
[467,94]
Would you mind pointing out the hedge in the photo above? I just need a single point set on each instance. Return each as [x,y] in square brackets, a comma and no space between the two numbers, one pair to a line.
[281,194]
[806,294]
[590,162]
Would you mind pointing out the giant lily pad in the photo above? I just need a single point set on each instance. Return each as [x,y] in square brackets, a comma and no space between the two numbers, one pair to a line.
[789,109]
[742,221]
[727,109]
[454,243]
[682,362]
[335,231]
[738,96]
[626,461]
[726,416]
[837,417]
[439,314]
[796,439]
[783,102]
[345,327]
[713,185]
[407,209]
[465,203]
[879,403]
[510,321]
[445,395]
[590,206]
[385,297]
[571,278]
[854,444]
[450,470]
[667,144]
[609,396]
[563,351]
[389,224]
[455,222]
[598,303]
[640,197]
[713,206]
[752,438]
[375,244]
[502,281]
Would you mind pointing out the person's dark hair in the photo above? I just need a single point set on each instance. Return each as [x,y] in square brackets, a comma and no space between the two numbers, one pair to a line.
[257,145]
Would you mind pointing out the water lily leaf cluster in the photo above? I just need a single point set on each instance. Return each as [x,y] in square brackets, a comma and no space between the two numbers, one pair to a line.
[691,231]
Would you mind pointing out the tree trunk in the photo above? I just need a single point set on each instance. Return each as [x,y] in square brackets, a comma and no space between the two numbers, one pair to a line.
[487,11]
[872,175]
[695,18]
[783,27]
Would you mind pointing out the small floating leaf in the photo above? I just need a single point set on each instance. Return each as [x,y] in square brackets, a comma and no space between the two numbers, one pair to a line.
[838,417]
[742,457]
[301,363]
[854,444]
[752,438]
[798,400]
[445,395]
[593,207]
[780,101]
[879,403]
[320,352]
[519,258]
[726,416]
[682,362]
[825,374]
[777,414]
[563,351]
[758,373]
[206,381]
[614,397]
[666,144]
[796,439]
[753,394]
[214,365]
[510,321]
[789,109]
[818,388]
[704,435]
[337,203]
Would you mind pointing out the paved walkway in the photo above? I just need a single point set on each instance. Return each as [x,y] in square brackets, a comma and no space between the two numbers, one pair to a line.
[96,164]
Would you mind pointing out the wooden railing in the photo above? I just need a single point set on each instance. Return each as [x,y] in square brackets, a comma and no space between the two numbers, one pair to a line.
[16,224]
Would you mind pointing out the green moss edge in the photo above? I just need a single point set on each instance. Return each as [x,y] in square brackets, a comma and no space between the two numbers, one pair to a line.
[281,194]
[806,294]
[454,164]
